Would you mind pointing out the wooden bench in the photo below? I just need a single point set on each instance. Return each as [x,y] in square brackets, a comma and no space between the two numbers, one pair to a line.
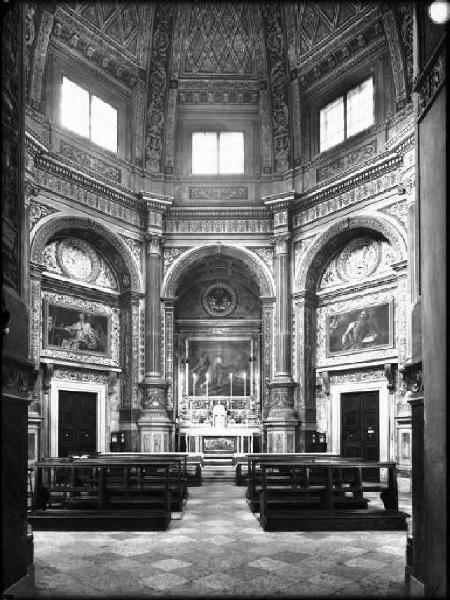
[327,496]
[254,473]
[88,494]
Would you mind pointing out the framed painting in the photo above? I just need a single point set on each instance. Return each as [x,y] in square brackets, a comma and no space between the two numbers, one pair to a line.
[219,367]
[365,328]
[69,328]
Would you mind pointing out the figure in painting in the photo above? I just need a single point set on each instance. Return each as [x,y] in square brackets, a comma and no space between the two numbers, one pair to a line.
[82,335]
[201,368]
[362,331]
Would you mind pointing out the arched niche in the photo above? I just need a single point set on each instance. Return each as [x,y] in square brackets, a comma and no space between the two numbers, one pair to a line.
[248,279]
[102,239]
[314,300]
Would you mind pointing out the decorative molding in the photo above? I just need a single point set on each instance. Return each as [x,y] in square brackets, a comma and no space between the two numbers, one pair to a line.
[432,78]
[61,180]
[398,210]
[38,211]
[84,304]
[218,193]
[359,187]
[158,88]
[405,18]
[266,255]
[356,375]
[390,28]
[40,57]
[169,256]
[347,161]
[277,67]
[235,92]
[231,224]
[81,376]
[84,159]
[136,248]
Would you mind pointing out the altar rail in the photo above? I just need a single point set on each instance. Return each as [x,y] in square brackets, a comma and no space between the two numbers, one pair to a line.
[326,496]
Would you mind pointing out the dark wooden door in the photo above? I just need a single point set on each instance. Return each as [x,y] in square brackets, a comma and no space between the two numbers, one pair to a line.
[360,426]
[77,423]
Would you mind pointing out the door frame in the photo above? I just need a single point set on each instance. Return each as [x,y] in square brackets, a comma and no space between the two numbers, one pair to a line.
[386,425]
[77,386]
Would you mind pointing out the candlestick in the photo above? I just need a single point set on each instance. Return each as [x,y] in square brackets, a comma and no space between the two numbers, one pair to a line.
[194,377]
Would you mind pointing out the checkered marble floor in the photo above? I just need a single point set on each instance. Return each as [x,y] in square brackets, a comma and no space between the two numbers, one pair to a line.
[217,548]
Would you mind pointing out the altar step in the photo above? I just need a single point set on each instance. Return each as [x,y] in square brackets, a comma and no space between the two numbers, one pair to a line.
[218,472]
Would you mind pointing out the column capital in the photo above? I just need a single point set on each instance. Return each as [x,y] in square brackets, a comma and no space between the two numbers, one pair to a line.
[281,243]
[154,242]
[279,202]
[157,202]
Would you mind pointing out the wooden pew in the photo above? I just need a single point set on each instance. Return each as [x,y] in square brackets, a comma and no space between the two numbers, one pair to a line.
[85,494]
[335,502]
[254,473]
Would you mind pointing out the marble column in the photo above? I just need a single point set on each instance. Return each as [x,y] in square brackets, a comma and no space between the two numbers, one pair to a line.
[153,423]
[281,422]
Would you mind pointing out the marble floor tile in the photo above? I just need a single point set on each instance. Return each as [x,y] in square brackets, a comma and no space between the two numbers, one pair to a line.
[217,548]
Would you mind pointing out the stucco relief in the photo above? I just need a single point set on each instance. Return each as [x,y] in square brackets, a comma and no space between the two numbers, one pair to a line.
[359,259]
[345,162]
[398,210]
[266,255]
[341,306]
[80,376]
[85,159]
[39,211]
[218,225]
[356,376]
[390,29]
[83,305]
[76,259]
[136,248]
[171,254]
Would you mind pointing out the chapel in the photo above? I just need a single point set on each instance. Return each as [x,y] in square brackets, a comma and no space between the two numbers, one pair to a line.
[223,234]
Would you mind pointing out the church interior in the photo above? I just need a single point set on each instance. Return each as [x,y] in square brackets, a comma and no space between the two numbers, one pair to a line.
[224,261]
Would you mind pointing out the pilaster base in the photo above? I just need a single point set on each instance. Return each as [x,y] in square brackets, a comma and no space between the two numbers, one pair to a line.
[154,424]
[281,436]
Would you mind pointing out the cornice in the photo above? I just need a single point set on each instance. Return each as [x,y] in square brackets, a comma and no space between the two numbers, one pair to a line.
[218,213]
[386,162]
[61,286]
[57,166]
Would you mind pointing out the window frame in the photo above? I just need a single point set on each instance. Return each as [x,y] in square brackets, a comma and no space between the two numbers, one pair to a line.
[91,93]
[343,94]
[218,133]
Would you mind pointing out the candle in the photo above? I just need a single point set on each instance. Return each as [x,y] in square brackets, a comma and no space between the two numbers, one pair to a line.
[207,379]
[231,387]
[194,377]
[245,387]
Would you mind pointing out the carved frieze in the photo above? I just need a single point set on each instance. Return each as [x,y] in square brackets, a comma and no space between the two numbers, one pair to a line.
[340,165]
[121,207]
[218,193]
[230,225]
[341,200]
[277,68]
[153,397]
[356,376]
[80,376]
[405,14]
[39,211]
[84,305]
[84,159]
[397,66]
[158,88]
[30,34]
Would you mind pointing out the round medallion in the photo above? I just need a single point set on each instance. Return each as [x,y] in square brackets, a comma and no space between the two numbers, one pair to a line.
[219,299]
[359,259]
[78,260]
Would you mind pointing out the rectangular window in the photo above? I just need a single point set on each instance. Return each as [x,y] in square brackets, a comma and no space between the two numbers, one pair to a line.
[347,115]
[88,115]
[219,153]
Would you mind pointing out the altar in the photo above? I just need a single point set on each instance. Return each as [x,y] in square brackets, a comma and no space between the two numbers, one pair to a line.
[233,439]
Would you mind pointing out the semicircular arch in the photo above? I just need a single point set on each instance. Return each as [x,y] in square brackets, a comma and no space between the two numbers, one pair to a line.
[102,238]
[326,244]
[256,266]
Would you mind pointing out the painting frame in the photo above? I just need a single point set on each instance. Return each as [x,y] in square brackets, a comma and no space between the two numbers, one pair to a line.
[350,332]
[101,324]
[236,357]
